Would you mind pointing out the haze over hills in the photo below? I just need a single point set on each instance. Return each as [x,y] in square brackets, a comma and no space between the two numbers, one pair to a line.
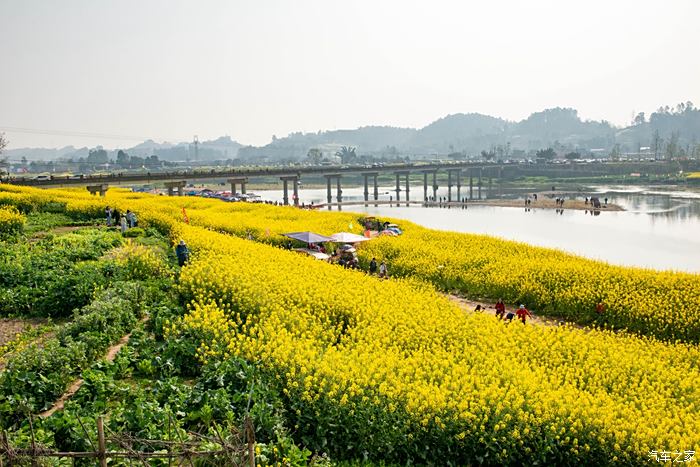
[676,129]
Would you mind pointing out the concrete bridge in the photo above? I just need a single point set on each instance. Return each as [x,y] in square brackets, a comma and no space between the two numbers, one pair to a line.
[457,172]
[175,181]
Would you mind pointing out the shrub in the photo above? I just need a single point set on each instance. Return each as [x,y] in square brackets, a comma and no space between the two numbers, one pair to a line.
[138,262]
[134,232]
[11,222]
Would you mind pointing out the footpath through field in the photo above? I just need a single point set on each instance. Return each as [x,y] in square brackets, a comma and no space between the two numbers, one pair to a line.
[109,356]
[489,308]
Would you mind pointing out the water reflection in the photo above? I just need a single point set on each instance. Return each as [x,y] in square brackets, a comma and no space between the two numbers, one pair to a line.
[658,230]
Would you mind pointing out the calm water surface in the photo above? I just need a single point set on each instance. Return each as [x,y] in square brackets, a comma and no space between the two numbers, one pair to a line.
[660,228]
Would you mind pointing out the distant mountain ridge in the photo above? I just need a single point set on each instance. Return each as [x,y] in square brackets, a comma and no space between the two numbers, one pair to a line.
[470,133]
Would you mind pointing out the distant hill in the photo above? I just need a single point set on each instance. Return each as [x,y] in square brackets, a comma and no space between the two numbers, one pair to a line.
[40,154]
[219,149]
[669,130]
[459,132]
[679,126]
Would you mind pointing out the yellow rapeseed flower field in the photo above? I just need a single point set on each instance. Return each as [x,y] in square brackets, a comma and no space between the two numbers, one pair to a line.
[11,221]
[395,370]
[380,364]
[662,304]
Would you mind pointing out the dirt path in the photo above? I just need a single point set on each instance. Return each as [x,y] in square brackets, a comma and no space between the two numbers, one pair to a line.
[10,327]
[489,308]
[66,229]
[75,385]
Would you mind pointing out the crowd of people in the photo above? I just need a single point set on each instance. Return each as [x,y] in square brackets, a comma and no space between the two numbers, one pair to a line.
[383,270]
[124,221]
[521,312]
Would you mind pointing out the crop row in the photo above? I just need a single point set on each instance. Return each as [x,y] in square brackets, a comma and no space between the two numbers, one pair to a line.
[395,370]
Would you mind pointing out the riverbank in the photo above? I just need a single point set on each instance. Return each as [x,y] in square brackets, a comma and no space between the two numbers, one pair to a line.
[541,203]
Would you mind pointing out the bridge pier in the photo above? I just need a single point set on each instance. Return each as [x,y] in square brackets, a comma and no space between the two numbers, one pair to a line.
[398,186]
[235,181]
[329,192]
[295,189]
[500,181]
[425,186]
[435,185]
[171,186]
[471,184]
[366,176]
[458,174]
[398,174]
[98,189]
[449,186]
[408,188]
[480,170]
[376,188]
[329,196]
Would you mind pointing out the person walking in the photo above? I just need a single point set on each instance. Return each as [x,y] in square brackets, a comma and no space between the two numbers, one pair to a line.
[108,215]
[500,308]
[131,219]
[373,266]
[383,270]
[122,223]
[600,308]
[183,254]
[523,313]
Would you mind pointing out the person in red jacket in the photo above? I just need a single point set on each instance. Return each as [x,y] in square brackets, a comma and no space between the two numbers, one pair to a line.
[523,313]
[500,308]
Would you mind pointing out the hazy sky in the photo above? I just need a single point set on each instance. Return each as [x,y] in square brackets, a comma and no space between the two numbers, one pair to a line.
[171,69]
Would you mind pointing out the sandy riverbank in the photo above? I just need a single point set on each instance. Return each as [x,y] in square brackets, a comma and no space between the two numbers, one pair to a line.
[509,203]
[546,203]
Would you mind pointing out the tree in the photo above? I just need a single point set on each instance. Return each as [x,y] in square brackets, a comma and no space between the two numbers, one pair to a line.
[4,165]
[153,161]
[97,156]
[672,148]
[656,144]
[314,156]
[122,159]
[488,155]
[547,154]
[615,153]
[640,119]
[346,154]
[573,156]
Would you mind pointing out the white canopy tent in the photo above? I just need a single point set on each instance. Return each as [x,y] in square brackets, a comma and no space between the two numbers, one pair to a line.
[347,237]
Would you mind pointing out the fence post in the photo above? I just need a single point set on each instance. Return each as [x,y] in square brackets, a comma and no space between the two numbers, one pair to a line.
[250,438]
[34,453]
[101,443]
[5,450]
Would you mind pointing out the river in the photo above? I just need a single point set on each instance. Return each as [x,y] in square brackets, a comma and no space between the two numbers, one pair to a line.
[659,229]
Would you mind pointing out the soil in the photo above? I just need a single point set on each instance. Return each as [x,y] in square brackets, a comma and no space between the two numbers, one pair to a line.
[66,229]
[75,385]
[489,308]
[10,327]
